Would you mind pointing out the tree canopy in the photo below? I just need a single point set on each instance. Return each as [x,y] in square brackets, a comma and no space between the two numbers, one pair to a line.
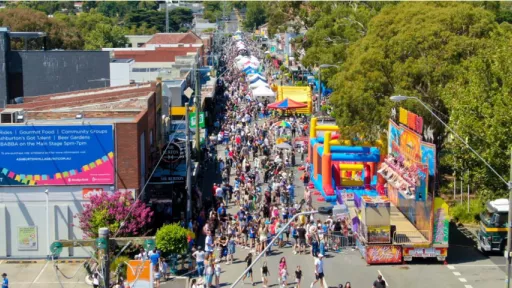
[452,56]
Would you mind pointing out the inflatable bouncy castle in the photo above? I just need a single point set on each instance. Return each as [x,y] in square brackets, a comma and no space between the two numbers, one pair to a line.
[338,166]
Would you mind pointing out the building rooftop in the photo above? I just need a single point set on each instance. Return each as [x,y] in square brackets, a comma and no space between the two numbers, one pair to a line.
[109,105]
[175,38]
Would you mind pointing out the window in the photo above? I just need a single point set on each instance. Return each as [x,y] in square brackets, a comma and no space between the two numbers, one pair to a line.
[139,69]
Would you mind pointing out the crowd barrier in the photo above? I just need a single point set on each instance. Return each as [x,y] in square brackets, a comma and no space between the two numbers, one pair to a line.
[340,242]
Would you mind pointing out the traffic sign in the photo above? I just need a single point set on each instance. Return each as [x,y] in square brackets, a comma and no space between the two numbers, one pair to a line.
[188,92]
[193,120]
[173,152]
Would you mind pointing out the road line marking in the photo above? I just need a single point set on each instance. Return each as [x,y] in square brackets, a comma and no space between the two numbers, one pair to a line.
[387,285]
[451,267]
[463,280]
[41,272]
[456,273]
[468,286]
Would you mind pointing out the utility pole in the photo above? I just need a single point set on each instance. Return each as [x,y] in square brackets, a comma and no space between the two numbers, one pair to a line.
[509,233]
[166,16]
[103,234]
[198,112]
[319,89]
[189,162]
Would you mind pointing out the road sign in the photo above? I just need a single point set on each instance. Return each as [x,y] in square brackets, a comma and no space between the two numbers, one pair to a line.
[193,120]
[173,152]
[188,92]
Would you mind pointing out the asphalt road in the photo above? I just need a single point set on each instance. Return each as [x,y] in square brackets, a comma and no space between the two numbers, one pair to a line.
[466,267]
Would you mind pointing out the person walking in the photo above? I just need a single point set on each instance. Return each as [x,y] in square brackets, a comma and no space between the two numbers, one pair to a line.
[199,255]
[298,276]
[95,280]
[5,281]
[248,260]
[218,271]
[208,273]
[379,283]
[319,271]
[264,274]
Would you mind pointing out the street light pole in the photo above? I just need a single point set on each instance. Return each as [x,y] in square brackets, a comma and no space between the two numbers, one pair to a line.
[508,183]
[47,193]
[270,245]
[198,112]
[187,159]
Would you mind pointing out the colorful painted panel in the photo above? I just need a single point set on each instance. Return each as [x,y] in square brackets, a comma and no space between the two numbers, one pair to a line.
[379,234]
[56,155]
[428,156]
[441,221]
[383,254]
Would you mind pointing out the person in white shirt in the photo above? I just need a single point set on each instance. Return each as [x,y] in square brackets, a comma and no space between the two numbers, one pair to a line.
[208,244]
[200,256]
[319,271]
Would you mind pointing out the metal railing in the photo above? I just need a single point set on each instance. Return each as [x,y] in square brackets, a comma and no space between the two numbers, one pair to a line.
[337,243]
[410,237]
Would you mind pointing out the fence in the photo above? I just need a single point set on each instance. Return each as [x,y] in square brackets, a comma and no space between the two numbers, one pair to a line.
[339,242]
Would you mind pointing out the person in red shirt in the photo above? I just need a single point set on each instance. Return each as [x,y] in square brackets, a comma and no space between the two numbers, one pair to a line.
[214,190]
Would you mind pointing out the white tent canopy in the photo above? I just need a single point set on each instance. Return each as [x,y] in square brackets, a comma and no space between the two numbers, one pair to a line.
[258,84]
[253,76]
[263,91]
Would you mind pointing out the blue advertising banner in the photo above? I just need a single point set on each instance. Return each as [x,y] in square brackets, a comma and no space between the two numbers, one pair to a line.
[56,155]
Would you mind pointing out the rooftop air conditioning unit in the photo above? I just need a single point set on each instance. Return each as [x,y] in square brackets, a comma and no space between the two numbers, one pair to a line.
[8,117]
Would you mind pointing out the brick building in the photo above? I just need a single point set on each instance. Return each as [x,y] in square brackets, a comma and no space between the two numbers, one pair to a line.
[130,118]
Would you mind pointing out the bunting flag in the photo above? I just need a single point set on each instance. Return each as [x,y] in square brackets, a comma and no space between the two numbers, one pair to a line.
[65,174]
[411,120]
[5,171]
[37,177]
[11,175]
[58,176]
[403,117]
[85,168]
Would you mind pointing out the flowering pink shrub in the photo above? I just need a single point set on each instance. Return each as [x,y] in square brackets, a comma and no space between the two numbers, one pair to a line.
[109,210]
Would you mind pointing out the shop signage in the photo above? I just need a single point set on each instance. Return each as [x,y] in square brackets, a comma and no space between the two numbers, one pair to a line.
[173,153]
[172,179]
[27,238]
[56,155]
[88,192]
[383,254]
[411,120]
[192,122]
[410,252]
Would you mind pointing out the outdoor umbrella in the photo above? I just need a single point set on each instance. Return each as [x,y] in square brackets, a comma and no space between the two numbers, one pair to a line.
[284,146]
[283,124]
[287,104]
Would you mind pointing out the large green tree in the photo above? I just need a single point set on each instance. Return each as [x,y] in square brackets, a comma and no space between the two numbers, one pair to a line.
[60,34]
[479,101]
[413,49]
[105,36]
[255,15]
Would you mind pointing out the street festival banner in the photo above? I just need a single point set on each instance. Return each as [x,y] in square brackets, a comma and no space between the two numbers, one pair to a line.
[383,254]
[56,155]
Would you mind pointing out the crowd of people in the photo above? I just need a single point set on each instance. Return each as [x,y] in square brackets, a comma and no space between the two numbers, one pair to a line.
[257,195]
